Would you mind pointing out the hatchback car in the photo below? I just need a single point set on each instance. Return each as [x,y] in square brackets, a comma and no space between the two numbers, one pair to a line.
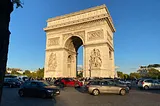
[149,84]
[68,82]
[38,88]
[105,86]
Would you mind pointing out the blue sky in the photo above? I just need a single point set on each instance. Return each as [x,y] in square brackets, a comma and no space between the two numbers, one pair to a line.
[136,40]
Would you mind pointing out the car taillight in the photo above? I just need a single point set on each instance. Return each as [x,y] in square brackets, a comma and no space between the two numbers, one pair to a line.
[142,82]
[87,86]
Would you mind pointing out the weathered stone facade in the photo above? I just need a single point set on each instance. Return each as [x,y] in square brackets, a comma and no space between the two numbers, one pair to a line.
[91,28]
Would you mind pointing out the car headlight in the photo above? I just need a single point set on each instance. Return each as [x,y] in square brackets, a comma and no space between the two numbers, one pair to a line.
[57,91]
[49,90]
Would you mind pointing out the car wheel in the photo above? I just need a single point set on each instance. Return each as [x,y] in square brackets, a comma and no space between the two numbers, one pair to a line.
[95,92]
[146,87]
[123,92]
[43,95]
[21,93]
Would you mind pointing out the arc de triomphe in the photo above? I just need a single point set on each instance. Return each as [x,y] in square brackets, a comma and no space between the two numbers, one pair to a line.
[93,29]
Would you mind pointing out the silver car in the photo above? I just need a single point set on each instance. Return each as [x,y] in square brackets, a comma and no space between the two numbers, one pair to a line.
[149,84]
[105,86]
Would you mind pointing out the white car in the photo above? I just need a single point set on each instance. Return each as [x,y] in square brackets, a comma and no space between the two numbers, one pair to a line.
[148,84]
[125,82]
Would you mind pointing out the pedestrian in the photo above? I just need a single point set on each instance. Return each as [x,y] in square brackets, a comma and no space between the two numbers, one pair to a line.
[61,85]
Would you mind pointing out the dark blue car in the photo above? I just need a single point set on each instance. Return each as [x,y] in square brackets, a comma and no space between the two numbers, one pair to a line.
[38,89]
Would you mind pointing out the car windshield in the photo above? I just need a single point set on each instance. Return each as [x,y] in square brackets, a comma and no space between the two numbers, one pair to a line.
[44,84]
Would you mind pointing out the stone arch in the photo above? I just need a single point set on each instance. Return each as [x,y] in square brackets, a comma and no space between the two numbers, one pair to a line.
[73,41]
[72,45]
[93,28]
[78,36]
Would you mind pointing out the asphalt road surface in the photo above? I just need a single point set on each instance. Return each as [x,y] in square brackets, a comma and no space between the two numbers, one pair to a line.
[76,97]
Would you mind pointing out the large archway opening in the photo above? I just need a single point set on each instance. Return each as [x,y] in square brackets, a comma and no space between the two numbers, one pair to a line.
[80,63]
[74,47]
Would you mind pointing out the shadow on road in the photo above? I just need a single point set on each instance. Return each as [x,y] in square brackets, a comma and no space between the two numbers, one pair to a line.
[10,97]
[155,91]
[81,89]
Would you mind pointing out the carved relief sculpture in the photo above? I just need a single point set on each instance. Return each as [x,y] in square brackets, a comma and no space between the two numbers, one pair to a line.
[95,35]
[52,63]
[53,41]
[81,34]
[65,36]
[95,59]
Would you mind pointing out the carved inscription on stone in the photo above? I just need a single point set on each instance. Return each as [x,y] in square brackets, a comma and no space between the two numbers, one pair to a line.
[53,41]
[95,35]
[52,62]
[95,59]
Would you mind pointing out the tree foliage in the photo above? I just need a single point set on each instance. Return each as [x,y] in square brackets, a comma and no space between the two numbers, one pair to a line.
[35,74]
[153,73]
[40,73]
[17,2]
[15,72]
[27,72]
[134,75]
[80,75]
[120,74]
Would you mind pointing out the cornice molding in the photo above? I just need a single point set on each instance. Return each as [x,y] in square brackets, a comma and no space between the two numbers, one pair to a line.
[75,22]
[83,19]
[77,27]
[78,13]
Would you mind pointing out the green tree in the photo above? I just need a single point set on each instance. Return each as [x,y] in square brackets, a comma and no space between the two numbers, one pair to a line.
[80,75]
[27,73]
[126,76]
[40,73]
[134,75]
[33,75]
[120,74]
[6,7]
[15,73]
[153,73]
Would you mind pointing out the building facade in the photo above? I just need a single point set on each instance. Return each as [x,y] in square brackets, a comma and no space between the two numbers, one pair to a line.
[91,28]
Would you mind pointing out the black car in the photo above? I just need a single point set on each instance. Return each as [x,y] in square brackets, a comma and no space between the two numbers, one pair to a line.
[38,89]
[12,82]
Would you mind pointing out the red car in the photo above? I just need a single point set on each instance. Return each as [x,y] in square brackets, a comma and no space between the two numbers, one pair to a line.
[71,82]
